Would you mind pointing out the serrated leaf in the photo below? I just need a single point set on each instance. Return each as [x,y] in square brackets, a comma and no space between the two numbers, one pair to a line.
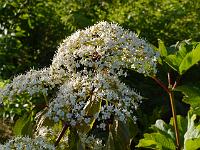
[184,58]
[189,90]
[163,128]
[192,144]
[192,96]
[162,138]
[190,59]
[188,129]
[174,60]
[147,143]
[157,141]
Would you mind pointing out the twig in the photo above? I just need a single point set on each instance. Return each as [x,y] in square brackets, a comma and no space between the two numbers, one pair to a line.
[171,96]
[61,134]
[161,84]
[176,82]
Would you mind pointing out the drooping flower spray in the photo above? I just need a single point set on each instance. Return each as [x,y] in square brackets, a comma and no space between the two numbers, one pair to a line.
[86,72]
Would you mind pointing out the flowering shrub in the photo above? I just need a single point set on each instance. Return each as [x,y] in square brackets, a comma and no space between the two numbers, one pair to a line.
[82,87]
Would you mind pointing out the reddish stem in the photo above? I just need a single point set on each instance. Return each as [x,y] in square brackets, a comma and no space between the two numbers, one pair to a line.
[176,82]
[171,96]
[161,84]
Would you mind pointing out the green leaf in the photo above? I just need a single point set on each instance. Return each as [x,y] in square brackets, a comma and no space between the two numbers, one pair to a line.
[190,59]
[23,126]
[163,128]
[157,141]
[92,108]
[192,136]
[192,144]
[163,137]
[30,24]
[2,83]
[174,60]
[24,16]
[161,48]
[147,143]
[182,126]
[187,56]
[192,96]
[193,131]
[19,34]
[122,135]
[74,141]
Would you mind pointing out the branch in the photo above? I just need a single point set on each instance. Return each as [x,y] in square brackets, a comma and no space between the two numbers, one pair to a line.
[161,84]
[171,96]
[61,134]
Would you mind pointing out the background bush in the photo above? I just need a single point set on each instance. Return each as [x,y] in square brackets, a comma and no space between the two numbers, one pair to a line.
[30,30]
[171,21]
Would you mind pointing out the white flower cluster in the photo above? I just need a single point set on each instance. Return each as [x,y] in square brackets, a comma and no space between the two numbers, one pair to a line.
[91,141]
[91,62]
[86,71]
[26,143]
[105,93]
[33,82]
[104,47]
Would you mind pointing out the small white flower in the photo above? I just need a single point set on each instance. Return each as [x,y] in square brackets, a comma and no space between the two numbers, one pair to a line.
[102,126]
[87,120]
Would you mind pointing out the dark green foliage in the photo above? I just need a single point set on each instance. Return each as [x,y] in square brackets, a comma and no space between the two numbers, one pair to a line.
[192,96]
[170,20]
[22,125]
[30,32]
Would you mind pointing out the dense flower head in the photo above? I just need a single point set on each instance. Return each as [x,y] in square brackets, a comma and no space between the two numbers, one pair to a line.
[104,47]
[26,143]
[89,64]
[87,71]
[107,93]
